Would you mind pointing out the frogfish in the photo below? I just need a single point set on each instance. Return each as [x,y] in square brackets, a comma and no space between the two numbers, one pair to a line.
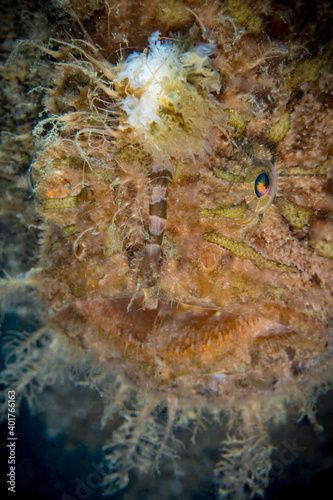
[182,178]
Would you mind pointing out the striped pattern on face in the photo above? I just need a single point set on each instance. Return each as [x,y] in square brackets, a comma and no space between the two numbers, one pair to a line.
[159,178]
[150,258]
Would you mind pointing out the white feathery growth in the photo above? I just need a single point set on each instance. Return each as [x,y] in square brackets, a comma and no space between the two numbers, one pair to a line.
[169,102]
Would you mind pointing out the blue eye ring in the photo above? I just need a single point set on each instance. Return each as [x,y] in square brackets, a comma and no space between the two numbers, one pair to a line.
[262,185]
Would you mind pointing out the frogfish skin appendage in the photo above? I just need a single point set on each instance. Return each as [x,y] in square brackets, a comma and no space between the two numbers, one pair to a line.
[182,183]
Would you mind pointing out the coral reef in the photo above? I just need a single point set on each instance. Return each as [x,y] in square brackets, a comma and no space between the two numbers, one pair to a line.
[183,179]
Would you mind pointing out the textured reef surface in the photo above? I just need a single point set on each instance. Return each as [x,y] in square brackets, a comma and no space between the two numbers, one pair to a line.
[166,215]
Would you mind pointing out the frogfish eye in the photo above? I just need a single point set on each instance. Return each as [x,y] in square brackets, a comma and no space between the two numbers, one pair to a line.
[260,185]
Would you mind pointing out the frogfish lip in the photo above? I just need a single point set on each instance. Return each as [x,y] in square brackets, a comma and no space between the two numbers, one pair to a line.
[186,347]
